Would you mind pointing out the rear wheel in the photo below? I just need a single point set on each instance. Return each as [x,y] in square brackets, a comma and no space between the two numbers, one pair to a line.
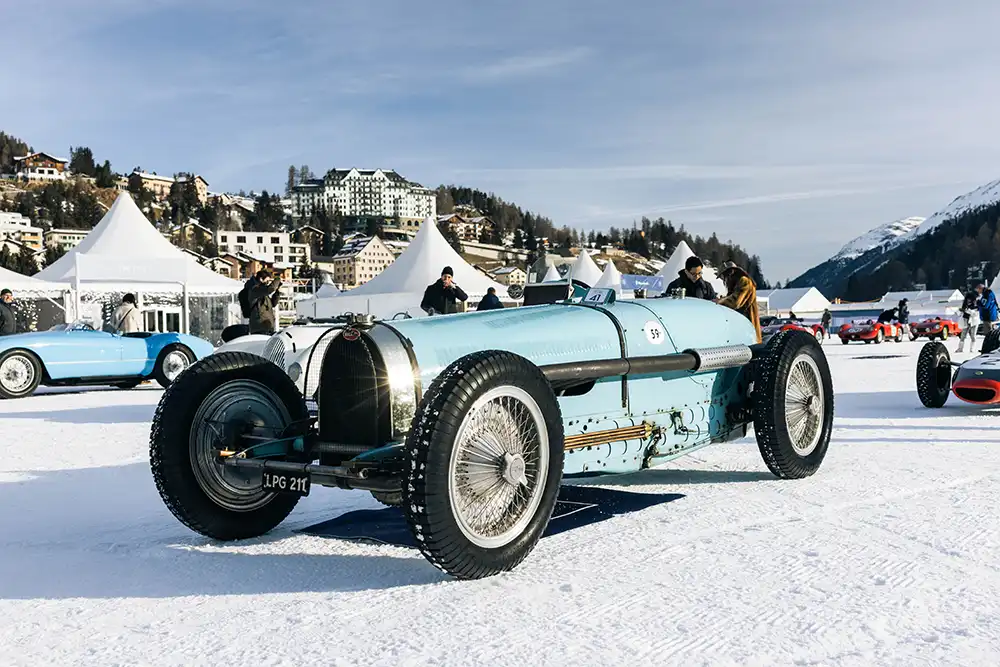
[933,375]
[485,459]
[879,337]
[844,341]
[992,342]
[171,362]
[793,406]
[944,333]
[20,374]
[208,409]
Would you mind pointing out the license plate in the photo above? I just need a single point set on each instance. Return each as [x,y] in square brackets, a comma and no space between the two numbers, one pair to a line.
[287,482]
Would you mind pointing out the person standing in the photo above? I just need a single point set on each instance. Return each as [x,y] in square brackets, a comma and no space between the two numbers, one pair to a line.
[970,321]
[987,308]
[742,295]
[127,318]
[491,301]
[8,321]
[826,321]
[690,280]
[263,297]
[442,296]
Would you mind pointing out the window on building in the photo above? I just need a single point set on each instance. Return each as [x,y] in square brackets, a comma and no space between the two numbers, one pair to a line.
[275,239]
[241,239]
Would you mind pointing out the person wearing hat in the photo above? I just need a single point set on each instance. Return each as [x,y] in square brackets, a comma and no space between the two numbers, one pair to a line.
[742,295]
[8,323]
[442,296]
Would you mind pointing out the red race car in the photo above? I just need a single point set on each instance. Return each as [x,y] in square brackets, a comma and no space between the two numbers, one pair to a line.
[936,327]
[769,326]
[870,331]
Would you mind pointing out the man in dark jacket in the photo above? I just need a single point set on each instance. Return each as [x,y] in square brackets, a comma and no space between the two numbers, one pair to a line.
[826,321]
[987,307]
[264,299]
[8,323]
[903,317]
[442,296]
[689,278]
[491,301]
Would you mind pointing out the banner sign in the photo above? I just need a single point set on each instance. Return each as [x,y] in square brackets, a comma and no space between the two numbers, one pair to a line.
[652,284]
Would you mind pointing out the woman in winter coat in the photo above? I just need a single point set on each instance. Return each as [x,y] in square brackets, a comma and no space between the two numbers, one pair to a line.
[970,321]
[127,318]
[742,295]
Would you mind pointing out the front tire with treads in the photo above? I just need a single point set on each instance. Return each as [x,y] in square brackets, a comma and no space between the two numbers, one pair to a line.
[215,399]
[793,405]
[934,375]
[484,460]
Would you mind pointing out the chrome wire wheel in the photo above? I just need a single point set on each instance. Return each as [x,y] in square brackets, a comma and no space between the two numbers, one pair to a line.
[233,408]
[499,466]
[174,364]
[804,405]
[17,373]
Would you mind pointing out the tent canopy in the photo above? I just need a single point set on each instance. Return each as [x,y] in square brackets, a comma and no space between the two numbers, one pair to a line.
[27,286]
[551,275]
[125,252]
[584,269]
[797,299]
[421,264]
[611,278]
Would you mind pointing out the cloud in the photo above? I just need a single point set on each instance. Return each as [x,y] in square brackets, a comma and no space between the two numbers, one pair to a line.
[526,65]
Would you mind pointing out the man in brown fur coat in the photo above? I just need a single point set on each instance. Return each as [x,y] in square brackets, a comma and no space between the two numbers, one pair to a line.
[742,295]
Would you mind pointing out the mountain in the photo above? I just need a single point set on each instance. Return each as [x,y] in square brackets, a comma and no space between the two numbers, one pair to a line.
[982,196]
[955,246]
[890,233]
[830,276]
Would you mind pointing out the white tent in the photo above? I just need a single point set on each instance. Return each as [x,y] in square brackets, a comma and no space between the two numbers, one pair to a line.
[995,285]
[611,278]
[584,269]
[551,275]
[125,252]
[421,264]
[327,288]
[28,286]
[675,265]
[800,300]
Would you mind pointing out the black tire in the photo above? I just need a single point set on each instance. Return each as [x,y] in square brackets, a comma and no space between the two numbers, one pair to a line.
[774,439]
[933,375]
[429,449]
[29,364]
[992,342]
[159,373]
[170,448]
[844,341]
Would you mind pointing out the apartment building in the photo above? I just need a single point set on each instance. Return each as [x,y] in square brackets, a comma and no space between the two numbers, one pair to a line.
[360,260]
[274,248]
[65,238]
[365,193]
[16,227]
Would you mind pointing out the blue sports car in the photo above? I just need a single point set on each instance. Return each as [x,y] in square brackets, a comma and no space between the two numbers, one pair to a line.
[77,354]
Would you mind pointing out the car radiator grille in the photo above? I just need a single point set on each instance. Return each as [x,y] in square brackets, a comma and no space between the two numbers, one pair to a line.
[354,406]
[274,350]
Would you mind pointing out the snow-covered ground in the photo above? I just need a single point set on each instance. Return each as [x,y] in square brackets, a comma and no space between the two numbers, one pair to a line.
[887,556]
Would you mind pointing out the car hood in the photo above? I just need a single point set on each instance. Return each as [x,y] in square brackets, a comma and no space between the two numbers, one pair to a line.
[15,340]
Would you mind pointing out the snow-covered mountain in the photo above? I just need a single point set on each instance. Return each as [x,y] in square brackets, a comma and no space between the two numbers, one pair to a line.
[895,231]
[982,196]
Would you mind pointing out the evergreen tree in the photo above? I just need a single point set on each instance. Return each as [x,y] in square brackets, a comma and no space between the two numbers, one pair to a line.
[10,148]
[7,259]
[291,180]
[24,261]
[81,161]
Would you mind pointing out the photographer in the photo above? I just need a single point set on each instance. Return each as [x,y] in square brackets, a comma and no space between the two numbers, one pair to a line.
[442,296]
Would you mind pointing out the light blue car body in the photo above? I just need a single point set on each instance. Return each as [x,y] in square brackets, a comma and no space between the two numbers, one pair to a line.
[85,355]
[691,409]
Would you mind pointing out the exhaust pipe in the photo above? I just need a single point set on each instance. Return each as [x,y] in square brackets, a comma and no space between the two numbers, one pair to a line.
[705,359]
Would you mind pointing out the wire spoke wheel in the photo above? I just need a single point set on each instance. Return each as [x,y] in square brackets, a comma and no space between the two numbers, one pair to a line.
[498,467]
[804,405]
[174,364]
[17,373]
[231,409]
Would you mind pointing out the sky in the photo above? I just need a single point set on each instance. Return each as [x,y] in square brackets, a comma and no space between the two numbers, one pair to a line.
[788,127]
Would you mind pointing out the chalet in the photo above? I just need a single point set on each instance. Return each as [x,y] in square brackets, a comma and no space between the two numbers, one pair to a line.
[40,167]
[509,275]
[360,260]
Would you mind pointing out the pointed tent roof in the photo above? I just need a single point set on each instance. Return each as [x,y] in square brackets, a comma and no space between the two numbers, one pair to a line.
[420,265]
[675,265]
[327,288]
[995,285]
[125,251]
[584,269]
[551,275]
[21,285]
[611,278]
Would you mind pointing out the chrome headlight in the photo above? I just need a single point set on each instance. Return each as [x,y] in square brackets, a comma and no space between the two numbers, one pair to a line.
[295,371]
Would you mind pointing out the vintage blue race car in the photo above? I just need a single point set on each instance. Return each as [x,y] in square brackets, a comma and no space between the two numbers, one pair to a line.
[470,422]
[77,354]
